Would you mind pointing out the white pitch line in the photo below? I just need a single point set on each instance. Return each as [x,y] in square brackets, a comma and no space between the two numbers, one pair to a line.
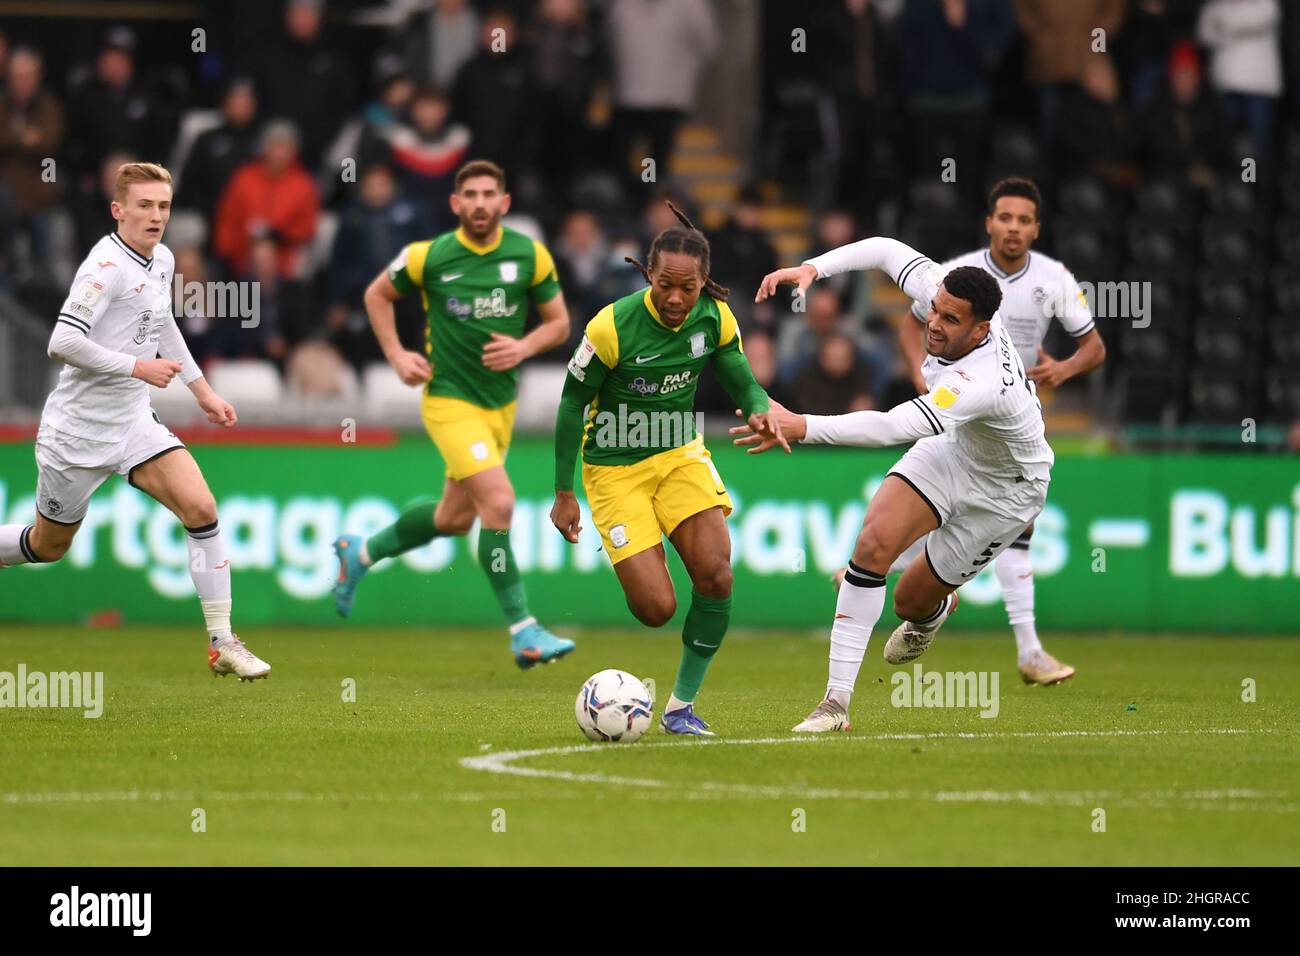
[503,762]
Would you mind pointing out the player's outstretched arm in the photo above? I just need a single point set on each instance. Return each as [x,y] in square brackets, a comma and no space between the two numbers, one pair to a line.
[411,367]
[737,378]
[870,429]
[915,274]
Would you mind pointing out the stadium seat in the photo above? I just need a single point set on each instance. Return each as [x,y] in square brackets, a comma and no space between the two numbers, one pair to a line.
[1157,346]
[1234,198]
[930,196]
[1282,395]
[1216,340]
[387,401]
[1216,398]
[540,386]
[1086,199]
[1287,232]
[1156,252]
[253,386]
[1015,152]
[1227,297]
[1165,204]
[1088,253]
[1286,291]
[1284,340]
[1230,251]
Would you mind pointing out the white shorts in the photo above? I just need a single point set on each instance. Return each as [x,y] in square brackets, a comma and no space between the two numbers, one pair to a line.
[979,516]
[69,469]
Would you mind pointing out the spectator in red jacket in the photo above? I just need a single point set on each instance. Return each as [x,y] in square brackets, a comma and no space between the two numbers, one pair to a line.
[270,197]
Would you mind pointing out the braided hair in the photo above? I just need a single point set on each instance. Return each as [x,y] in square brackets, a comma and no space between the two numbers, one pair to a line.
[686,239]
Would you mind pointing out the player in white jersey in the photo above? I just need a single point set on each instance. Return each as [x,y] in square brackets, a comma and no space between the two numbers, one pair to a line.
[1035,290]
[116,336]
[976,477]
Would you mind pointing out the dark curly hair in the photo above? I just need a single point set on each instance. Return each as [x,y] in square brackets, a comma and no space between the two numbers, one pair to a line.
[689,240]
[977,287]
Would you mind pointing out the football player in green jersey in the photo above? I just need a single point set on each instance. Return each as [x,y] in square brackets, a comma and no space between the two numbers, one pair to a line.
[645,469]
[475,284]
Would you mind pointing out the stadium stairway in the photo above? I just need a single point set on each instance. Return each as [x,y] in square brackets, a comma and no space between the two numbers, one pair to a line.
[712,178]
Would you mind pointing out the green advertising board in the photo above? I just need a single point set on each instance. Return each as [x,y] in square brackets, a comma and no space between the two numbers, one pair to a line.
[1172,542]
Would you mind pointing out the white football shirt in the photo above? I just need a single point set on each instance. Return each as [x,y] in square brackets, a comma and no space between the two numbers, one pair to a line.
[121,301]
[1043,289]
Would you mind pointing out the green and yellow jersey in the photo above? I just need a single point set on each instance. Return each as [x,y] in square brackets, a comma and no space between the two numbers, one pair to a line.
[470,291]
[638,378]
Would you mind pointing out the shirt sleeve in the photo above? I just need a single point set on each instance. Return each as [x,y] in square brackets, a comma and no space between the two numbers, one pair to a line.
[171,345]
[595,355]
[70,345]
[952,400]
[1073,311]
[916,274]
[546,281]
[93,290]
[406,271]
[732,368]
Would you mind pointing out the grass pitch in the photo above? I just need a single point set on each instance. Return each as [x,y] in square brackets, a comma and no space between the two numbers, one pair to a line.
[424,767]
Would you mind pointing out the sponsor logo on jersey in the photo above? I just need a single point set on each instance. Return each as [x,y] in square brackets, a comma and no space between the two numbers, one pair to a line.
[107,265]
[697,345]
[91,291]
[675,381]
[642,359]
[639,384]
[461,310]
[509,271]
[82,311]
[452,277]
[945,395]
[493,306]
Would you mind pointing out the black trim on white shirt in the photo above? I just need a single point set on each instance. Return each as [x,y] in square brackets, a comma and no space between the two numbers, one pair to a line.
[135,256]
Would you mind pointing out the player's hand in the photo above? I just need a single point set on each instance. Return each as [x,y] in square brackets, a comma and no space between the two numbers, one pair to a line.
[158,372]
[567,516]
[802,276]
[770,429]
[504,352]
[411,367]
[1048,372]
[219,411]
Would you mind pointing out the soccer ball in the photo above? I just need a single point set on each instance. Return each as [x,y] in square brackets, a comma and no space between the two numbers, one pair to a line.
[613,705]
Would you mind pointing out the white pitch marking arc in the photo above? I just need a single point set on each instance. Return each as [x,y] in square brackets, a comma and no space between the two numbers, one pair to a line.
[504,762]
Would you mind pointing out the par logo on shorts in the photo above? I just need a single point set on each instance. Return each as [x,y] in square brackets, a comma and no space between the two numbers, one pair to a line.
[946,395]
[697,345]
[509,271]
[53,507]
[479,450]
[618,535]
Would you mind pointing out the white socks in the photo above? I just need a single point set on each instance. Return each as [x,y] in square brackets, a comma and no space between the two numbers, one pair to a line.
[1017,577]
[858,608]
[210,571]
[14,548]
[675,704]
[936,617]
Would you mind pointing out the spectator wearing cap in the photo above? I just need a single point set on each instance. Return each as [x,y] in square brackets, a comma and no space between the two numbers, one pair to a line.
[31,130]
[110,110]
[271,198]
[302,79]
[1244,38]
[378,221]
[1183,132]
[218,152]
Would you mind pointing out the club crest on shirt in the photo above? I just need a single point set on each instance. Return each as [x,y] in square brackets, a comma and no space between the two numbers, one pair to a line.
[509,271]
[1039,295]
[145,320]
[697,345]
[53,507]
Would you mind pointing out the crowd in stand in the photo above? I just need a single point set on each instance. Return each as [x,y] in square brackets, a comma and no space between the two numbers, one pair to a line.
[559,92]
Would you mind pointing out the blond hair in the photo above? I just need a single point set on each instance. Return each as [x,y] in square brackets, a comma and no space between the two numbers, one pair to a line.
[130,173]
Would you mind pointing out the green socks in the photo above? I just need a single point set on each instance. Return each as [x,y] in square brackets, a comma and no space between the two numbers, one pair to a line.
[498,563]
[706,625]
[414,527]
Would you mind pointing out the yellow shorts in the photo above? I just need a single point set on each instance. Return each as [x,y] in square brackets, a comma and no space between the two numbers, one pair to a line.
[470,439]
[633,506]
